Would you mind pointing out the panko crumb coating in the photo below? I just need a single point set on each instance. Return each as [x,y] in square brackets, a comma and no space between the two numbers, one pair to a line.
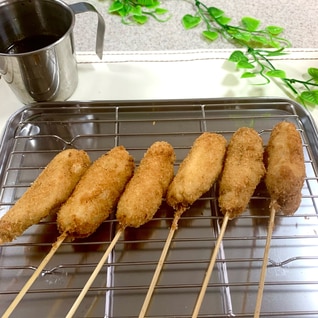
[286,170]
[145,191]
[51,188]
[198,171]
[242,172]
[96,194]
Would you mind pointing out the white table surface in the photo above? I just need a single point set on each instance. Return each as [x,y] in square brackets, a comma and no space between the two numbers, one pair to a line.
[172,75]
[162,60]
[297,17]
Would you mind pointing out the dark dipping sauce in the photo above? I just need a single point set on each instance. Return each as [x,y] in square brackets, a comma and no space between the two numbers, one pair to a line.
[31,43]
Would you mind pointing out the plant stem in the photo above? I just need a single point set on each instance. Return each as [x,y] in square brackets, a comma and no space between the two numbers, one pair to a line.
[255,56]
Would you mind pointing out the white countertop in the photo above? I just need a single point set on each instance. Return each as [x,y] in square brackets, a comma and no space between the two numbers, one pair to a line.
[162,60]
[176,75]
[297,17]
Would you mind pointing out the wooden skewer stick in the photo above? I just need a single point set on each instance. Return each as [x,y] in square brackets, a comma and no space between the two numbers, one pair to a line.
[162,258]
[265,262]
[34,276]
[210,268]
[93,275]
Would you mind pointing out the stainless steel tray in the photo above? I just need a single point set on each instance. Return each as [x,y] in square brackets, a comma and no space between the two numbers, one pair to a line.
[36,133]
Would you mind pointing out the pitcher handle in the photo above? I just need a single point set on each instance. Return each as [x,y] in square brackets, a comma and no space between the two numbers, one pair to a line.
[82,7]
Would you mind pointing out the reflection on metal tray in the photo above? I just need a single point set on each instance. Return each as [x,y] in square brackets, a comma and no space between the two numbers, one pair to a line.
[36,133]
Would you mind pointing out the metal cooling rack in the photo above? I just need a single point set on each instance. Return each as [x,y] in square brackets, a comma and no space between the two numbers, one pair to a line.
[36,133]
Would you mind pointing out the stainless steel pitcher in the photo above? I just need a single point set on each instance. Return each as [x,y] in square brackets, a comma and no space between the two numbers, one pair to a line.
[37,55]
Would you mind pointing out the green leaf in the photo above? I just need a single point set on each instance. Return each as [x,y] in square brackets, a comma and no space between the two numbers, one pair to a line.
[244,64]
[242,36]
[310,96]
[141,19]
[189,21]
[274,44]
[210,35]
[274,30]
[259,39]
[148,3]
[124,11]
[115,6]
[215,12]
[276,73]
[161,11]
[250,24]
[237,56]
[224,20]
[136,11]
[313,72]
[218,15]
[248,75]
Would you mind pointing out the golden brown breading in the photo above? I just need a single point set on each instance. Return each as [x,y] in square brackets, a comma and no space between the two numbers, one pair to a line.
[143,194]
[97,194]
[242,172]
[198,171]
[285,168]
[51,188]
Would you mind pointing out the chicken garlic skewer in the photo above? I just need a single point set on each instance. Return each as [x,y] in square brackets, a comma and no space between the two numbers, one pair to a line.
[97,194]
[196,175]
[284,180]
[51,188]
[242,172]
[143,194]
[140,201]
[93,199]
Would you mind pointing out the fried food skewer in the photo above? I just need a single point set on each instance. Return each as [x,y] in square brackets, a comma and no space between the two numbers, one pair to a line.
[197,172]
[243,170]
[284,180]
[285,168]
[50,189]
[93,199]
[140,201]
[143,194]
[97,193]
[196,175]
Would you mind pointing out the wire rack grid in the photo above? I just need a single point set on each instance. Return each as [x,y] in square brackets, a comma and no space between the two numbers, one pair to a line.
[35,134]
